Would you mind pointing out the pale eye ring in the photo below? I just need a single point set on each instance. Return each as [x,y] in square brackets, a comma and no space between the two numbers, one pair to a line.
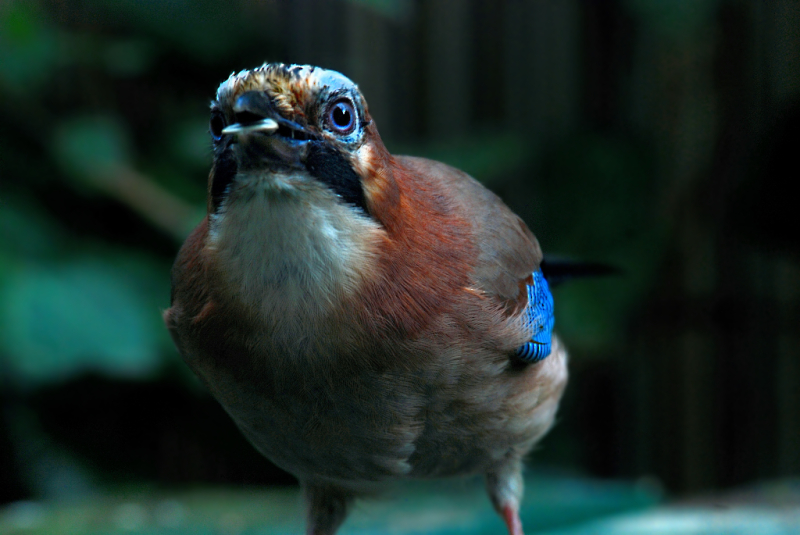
[341,117]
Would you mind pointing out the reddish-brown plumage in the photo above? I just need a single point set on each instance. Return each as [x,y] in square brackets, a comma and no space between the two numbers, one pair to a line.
[353,348]
[189,281]
[426,258]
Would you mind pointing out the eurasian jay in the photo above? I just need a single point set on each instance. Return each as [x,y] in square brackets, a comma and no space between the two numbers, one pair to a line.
[362,317]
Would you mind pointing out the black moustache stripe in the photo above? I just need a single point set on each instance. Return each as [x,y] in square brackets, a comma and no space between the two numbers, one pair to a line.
[323,162]
[225,170]
[329,166]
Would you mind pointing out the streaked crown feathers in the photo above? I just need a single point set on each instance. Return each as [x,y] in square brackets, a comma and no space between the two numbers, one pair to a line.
[293,89]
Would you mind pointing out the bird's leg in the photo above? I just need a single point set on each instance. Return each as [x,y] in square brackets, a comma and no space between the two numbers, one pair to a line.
[510,515]
[327,508]
[504,485]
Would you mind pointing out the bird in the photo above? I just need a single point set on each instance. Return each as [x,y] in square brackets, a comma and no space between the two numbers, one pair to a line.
[362,317]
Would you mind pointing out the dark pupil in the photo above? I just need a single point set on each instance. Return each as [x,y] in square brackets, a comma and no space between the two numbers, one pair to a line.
[341,116]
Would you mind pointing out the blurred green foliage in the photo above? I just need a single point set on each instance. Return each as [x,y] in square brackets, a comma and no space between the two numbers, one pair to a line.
[72,298]
[28,50]
[82,314]
[69,305]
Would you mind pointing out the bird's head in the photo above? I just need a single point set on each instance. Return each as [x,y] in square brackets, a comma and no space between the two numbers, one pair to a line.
[293,130]
[307,209]
[299,174]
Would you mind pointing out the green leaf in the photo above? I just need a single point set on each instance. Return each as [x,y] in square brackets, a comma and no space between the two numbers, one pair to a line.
[83,315]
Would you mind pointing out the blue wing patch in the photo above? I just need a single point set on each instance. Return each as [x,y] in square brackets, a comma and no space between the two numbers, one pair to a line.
[538,319]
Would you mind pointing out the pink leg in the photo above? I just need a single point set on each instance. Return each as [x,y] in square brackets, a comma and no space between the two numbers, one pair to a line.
[511,517]
[504,485]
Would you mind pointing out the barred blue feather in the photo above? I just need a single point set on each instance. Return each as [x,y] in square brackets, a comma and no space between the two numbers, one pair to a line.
[538,318]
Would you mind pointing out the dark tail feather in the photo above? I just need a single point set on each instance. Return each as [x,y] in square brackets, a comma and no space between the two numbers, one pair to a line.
[558,270]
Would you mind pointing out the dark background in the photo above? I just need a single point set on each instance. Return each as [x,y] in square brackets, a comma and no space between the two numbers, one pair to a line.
[656,136]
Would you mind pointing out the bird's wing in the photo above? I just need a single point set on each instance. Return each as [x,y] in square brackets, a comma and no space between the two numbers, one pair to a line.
[506,267]
[507,251]
[508,271]
[509,254]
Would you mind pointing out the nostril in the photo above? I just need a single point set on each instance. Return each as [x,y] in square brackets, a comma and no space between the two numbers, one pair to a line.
[245,118]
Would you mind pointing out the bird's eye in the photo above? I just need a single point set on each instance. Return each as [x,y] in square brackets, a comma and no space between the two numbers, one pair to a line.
[341,117]
[216,125]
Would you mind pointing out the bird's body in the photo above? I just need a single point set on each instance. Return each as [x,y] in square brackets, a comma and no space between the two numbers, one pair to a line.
[356,313]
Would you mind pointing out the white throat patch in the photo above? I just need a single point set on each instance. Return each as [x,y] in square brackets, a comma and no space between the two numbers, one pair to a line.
[288,247]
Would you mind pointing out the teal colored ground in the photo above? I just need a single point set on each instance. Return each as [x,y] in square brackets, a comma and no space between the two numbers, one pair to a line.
[556,506]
